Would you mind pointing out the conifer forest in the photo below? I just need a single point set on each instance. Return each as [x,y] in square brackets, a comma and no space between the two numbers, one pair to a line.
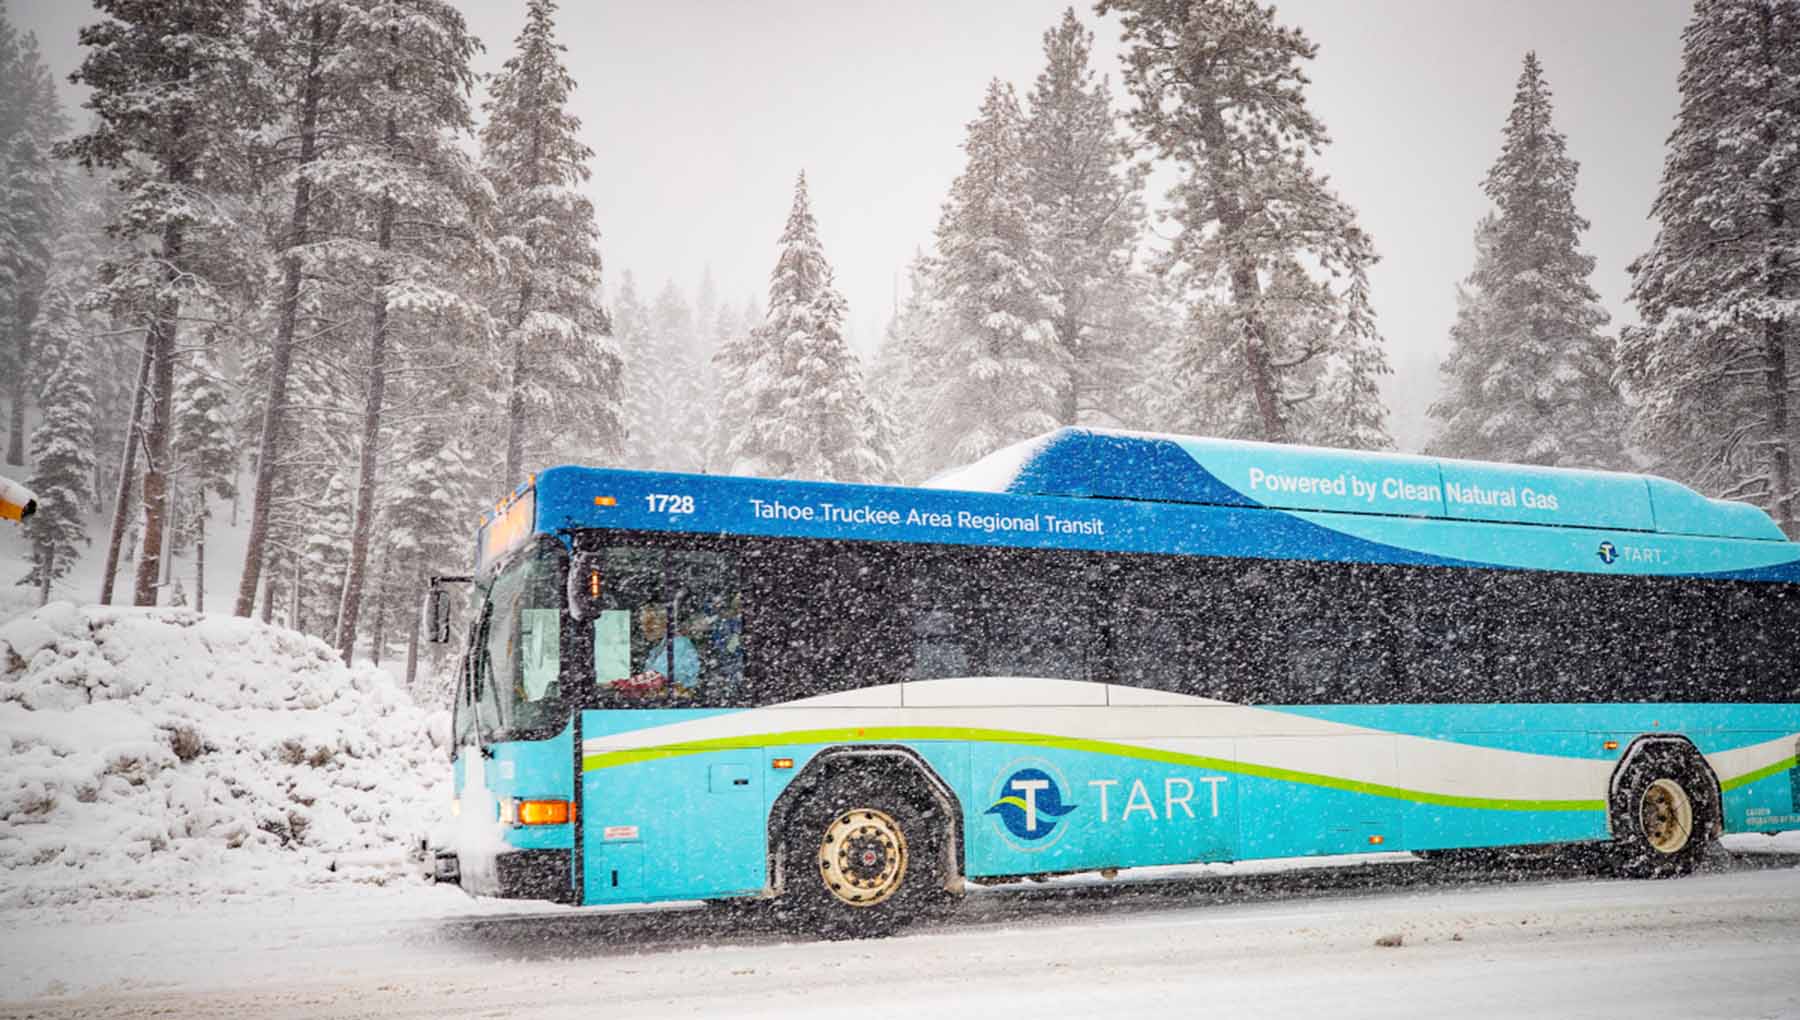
[294,268]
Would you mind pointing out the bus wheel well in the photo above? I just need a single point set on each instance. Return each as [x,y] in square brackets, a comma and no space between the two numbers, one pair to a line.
[1667,747]
[910,775]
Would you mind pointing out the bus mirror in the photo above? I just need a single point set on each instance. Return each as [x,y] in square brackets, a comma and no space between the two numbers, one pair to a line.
[585,586]
[437,616]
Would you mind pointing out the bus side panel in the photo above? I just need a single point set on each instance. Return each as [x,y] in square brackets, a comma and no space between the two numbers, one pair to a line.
[1769,803]
[689,826]
[1296,816]
[1516,775]
[1441,827]
[1031,809]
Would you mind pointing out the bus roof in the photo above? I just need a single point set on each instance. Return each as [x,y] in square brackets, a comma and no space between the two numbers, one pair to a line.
[1112,464]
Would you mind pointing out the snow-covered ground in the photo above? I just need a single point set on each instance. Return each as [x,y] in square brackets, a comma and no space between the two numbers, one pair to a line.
[1265,941]
[163,752]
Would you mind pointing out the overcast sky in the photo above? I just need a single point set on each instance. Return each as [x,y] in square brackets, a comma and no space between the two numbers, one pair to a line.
[702,111]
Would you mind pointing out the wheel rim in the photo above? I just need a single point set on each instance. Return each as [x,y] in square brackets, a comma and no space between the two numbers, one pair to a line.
[862,857]
[1667,814]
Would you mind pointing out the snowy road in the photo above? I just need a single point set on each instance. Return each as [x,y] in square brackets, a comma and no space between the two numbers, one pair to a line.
[1544,942]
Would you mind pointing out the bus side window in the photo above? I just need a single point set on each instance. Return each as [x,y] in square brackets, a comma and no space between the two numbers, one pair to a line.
[612,645]
[706,604]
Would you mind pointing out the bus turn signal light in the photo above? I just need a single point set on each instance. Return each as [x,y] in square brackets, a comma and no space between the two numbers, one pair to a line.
[605,501]
[1377,840]
[545,812]
[1611,745]
[781,763]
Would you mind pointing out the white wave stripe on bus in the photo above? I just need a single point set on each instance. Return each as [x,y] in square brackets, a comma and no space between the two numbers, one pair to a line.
[1741,761]
[1188,726]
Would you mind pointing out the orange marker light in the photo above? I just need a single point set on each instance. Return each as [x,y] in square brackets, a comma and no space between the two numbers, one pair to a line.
[605,501]
[1611,745]
[781,763]
[545,812]
[593,584]
[1377,840]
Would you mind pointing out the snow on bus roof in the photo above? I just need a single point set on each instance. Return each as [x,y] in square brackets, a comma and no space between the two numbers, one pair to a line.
[1156,467]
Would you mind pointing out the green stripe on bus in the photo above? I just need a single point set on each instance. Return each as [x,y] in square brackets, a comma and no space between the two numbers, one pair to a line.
[614,759]
[1763,773]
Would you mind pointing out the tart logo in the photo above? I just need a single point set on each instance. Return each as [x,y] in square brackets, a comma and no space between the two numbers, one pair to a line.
[1608,552]
[1028,806]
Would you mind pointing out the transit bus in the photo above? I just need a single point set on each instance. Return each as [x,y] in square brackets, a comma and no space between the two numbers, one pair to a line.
[1098,650]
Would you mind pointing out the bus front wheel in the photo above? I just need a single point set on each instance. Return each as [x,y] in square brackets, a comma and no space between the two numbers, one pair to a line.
[862,859]
[1665,812]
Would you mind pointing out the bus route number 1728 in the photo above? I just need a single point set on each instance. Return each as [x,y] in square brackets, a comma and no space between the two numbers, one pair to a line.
[670,503]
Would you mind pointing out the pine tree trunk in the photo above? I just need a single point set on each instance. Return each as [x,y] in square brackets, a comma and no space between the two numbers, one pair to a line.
[200,561]
[412,646]
[1781,474]
[127,470]
[515,406]
[282,353]
[351,604]
[1246,290]
[161,340]
[1068,330]
[293,620]
[1245,293]
[15,440]
[378,630]
[268,602]
[1784,424]
[171,534]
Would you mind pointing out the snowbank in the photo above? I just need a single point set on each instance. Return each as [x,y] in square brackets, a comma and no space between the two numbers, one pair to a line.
[163,751]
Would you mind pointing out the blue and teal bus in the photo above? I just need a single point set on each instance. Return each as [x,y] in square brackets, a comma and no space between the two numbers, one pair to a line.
[1099,650]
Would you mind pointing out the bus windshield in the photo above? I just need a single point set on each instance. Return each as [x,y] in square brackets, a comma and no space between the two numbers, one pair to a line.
[517,674]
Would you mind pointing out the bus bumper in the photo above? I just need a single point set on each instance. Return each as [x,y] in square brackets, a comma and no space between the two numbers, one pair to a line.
[517,875]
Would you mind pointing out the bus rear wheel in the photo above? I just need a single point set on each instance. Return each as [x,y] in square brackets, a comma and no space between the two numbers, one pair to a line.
[1665,812]
[862,860]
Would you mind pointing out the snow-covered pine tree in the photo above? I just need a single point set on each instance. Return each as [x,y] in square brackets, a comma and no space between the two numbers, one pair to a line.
[1079,171]
[205,452]
[632,334]
[174,95]
[424,525]
[299,44]
[793,400]
[62,446]
[1514,389]
[1219,88]
[898,385]
[1350,412]
[999,371]
[83,248]
[31,121]
[324,544]
[563,369]
[421,195]
[672,388]
[706,302]
[1715,366]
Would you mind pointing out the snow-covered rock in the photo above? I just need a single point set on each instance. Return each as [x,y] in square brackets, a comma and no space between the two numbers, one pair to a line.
[151,751]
